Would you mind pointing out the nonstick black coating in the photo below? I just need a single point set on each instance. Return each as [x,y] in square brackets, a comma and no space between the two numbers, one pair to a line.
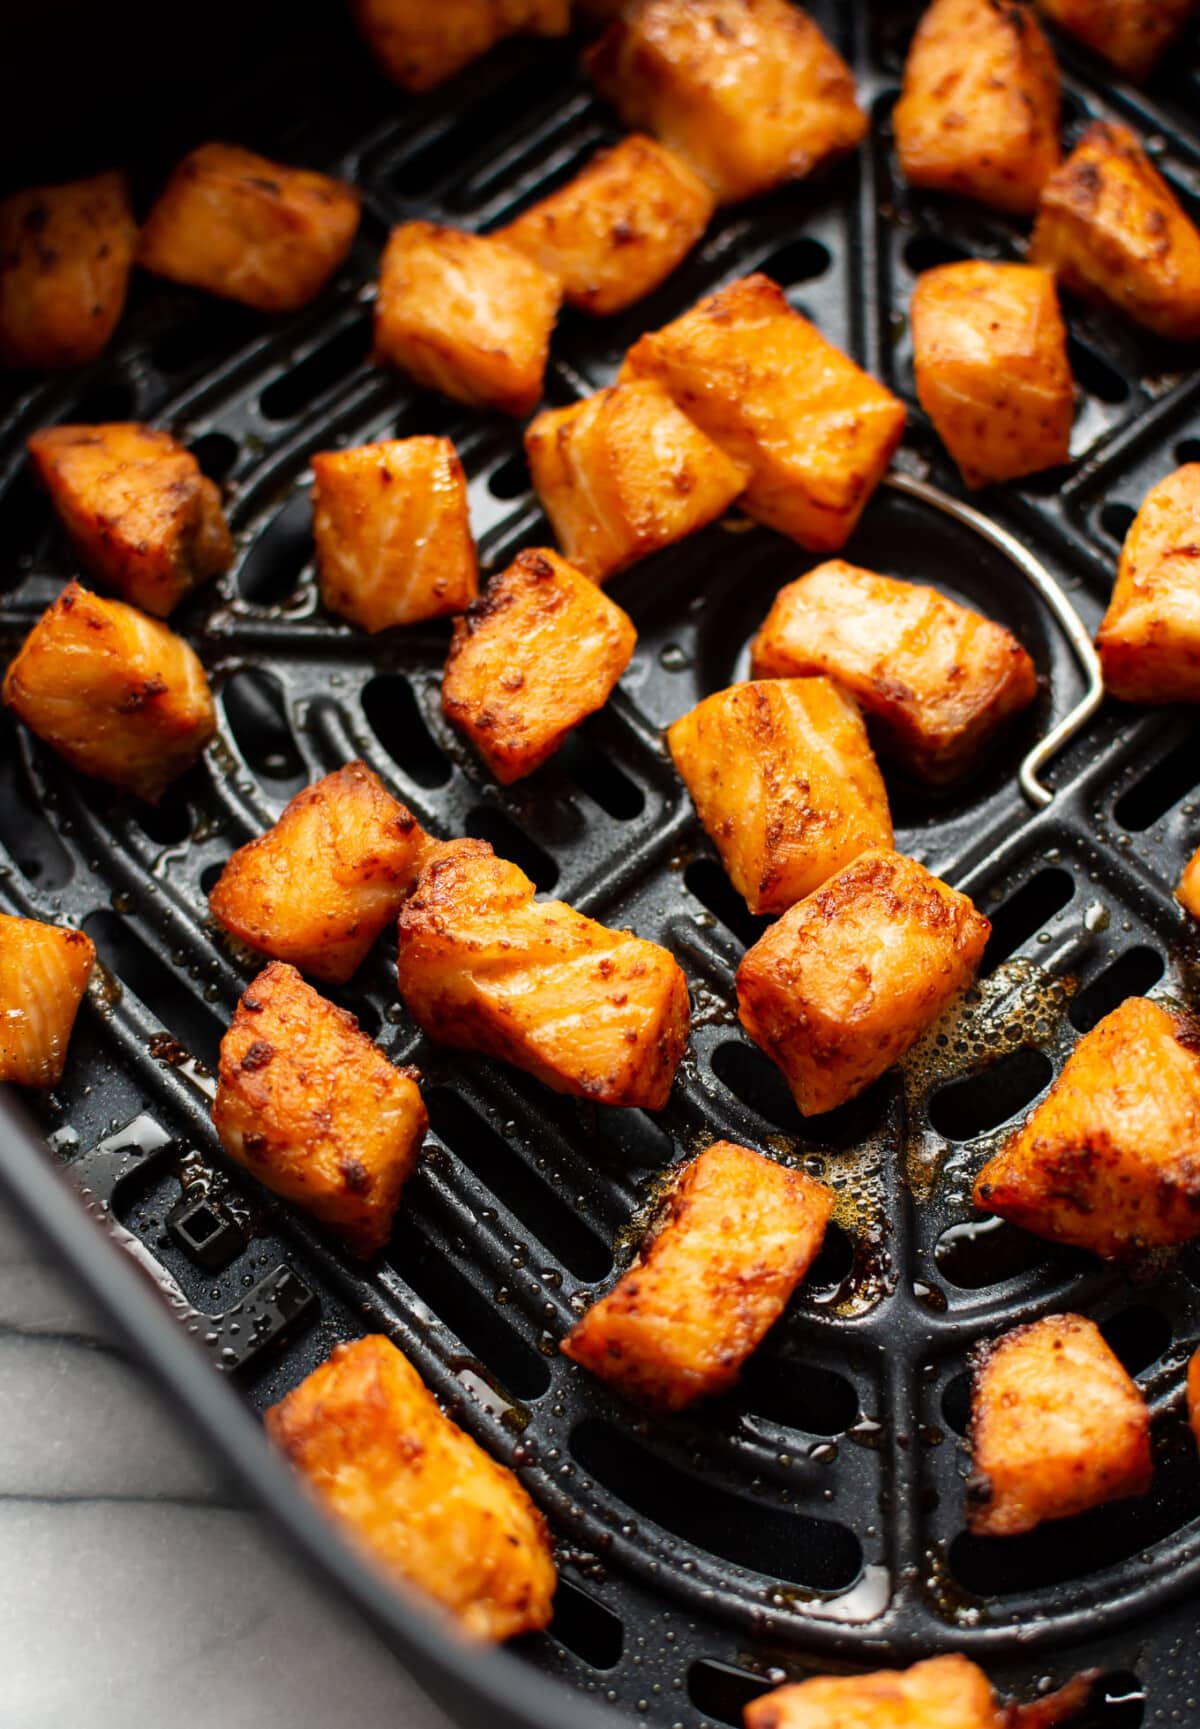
[815,1517]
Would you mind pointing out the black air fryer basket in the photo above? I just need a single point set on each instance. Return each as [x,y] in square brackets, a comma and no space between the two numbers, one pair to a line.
[814,1519]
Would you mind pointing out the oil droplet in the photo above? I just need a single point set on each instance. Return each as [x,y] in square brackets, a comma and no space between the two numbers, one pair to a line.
[167,1050]
[674,658]
[947,1596]
[866,1433]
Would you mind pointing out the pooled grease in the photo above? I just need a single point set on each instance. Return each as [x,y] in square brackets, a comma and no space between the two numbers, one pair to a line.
[1019,1006]
[857,1178]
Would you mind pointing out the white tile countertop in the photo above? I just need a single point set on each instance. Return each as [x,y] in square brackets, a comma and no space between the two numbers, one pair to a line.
[132,1590]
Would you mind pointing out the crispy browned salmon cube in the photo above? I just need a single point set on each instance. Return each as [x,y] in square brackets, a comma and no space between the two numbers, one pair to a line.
[1193,1394]
[598,1013]
[990,357]
[942,1693]
[115,693]
[619,228]
[416,1494]
[979,111]
[783,778]
[419,44]
[748,92]
[1132,35]
[936,678]
[466,315]
[318,887]
[249,229]
[540,650]
[1067,1704]
[393,532]
[1057,1426]
[1113,231]
[315,1111]
[848,980]
[624,473]
[139,513]
[737,1235]
[1110,1159]
[44,971]
[65,257]
[815,432]
[1149,638]
[1187,892]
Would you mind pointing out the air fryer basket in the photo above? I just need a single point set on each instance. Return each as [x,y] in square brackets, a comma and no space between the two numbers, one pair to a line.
[814,1518]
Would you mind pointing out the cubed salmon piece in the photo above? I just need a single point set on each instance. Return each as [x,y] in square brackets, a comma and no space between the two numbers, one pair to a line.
[249,229]
[1193,1394]
[116,694]
[979,111]
[1187,892]
[942,1693]
[736,1237]
[393,532]
[1057,1427]
[784,780]
[814,431]
[1110,1159]
[619,228]
[541,650]
[315,1111]
[65,257]
[466,315]
[935,678]
[44,971]
[1069,1703]
[598,1013]
[1149,639]
[990,357]
[422,1500]
[748,92]
[848,980]
[139,513]
[624,473]
[419,45]
[1114,232]
[1132,35]
[318,887]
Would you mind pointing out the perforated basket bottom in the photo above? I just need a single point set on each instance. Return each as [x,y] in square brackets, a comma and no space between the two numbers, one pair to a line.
[816,1515]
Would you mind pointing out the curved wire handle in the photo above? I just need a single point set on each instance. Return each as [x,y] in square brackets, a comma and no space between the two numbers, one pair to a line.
[1035,573]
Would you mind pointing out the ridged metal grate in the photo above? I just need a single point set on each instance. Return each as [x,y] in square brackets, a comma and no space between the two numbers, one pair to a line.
[816,1515]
